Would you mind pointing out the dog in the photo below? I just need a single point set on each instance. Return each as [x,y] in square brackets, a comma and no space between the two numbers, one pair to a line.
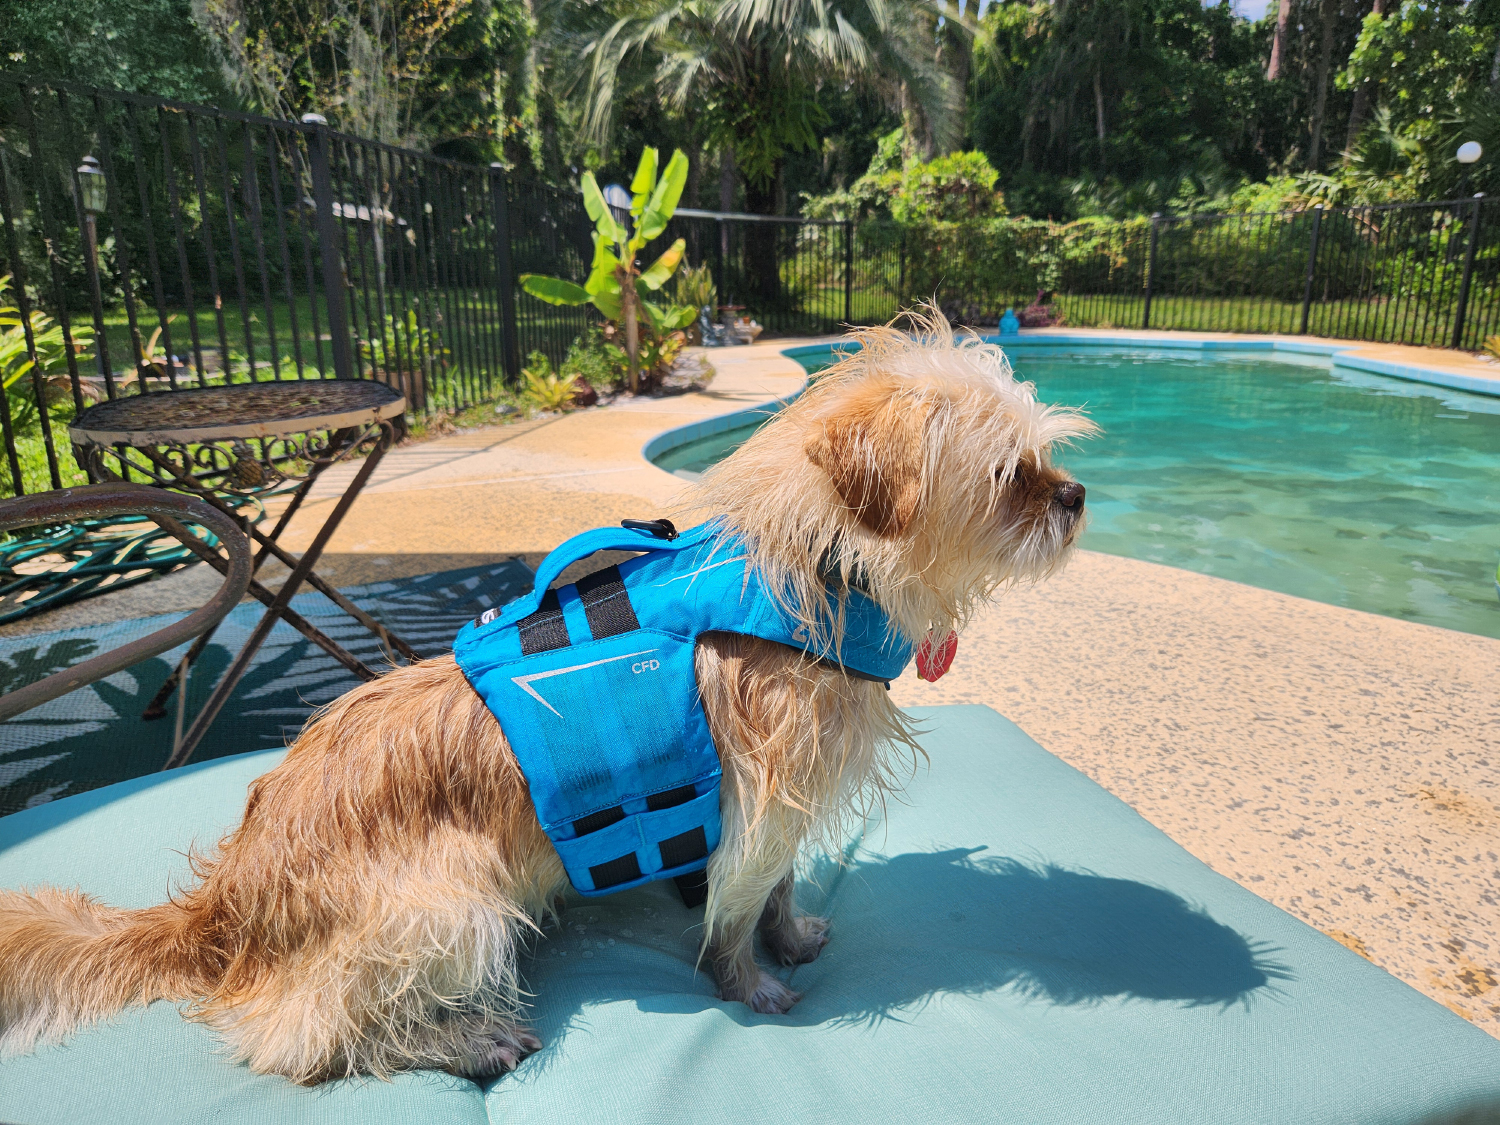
[365,916]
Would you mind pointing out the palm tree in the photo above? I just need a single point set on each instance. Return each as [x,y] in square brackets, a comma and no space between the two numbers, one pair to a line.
[745,75]
[1088,51]
[728,62]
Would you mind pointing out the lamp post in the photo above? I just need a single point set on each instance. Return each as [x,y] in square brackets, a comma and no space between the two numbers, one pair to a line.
[1468,154]
[93,199]
[93,194]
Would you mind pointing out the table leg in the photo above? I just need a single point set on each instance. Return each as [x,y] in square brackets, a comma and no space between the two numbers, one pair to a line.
[157,708]
[290,616]
[277,609]
[392,643]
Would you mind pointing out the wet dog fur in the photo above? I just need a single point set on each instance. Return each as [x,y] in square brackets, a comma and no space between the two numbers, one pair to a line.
[366,915]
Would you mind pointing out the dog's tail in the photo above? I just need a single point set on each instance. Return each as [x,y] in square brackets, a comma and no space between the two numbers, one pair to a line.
[67,960]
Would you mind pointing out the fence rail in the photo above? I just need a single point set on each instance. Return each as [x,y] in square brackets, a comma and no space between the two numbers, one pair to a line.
[202,245]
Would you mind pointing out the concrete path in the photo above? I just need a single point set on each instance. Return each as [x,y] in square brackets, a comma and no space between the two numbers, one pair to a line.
[1340,764]
[523,488]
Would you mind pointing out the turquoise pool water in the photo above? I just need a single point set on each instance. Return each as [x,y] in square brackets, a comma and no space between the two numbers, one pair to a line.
[1330,484]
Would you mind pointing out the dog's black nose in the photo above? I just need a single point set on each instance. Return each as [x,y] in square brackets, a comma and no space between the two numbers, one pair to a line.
[1070,495]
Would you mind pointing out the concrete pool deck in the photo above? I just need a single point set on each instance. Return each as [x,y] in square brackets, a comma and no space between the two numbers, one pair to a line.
[1340,764]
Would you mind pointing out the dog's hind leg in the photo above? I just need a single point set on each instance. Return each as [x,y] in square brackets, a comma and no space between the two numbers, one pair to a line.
[790,938]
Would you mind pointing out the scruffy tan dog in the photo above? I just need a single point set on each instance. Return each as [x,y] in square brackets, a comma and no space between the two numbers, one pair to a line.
[365,917]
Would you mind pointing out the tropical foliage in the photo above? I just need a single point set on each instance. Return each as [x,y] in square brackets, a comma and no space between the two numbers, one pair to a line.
[1082,107]
[16,362]
[616,285]
[542,389]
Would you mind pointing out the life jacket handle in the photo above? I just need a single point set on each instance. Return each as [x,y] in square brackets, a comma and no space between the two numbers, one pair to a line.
[634,535]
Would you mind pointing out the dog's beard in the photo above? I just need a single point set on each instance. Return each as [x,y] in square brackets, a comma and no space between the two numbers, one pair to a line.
[1046,543]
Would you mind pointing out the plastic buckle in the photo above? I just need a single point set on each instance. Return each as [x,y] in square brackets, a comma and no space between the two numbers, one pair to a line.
[662,529]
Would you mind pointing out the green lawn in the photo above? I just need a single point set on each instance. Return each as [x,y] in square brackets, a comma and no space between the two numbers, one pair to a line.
[464,321]
[32,453]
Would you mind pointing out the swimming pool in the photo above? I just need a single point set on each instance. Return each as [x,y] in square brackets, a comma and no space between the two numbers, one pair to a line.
[1284,473]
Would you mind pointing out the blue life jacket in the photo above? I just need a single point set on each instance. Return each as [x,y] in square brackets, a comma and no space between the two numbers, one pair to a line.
[594,687]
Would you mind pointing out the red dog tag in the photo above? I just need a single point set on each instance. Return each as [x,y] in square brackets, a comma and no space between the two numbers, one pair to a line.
[933,661]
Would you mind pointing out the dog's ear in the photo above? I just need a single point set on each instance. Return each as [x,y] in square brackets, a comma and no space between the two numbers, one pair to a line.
[872,450]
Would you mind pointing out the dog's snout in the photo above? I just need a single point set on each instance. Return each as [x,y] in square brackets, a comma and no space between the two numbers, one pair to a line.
[1070,495]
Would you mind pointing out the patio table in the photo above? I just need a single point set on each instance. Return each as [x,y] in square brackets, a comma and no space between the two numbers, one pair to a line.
[236,446]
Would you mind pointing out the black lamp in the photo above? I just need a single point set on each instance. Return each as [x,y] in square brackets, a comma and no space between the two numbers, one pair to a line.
[92,186]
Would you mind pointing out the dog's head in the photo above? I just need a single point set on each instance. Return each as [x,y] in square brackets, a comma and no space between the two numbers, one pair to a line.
[918,468]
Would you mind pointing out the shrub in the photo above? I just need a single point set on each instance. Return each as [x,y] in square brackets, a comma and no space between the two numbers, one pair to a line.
[596,362]
[543,390]
[696,288]
[51,352]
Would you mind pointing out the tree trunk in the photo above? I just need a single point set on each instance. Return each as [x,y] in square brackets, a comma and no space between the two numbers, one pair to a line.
[1099,114]
[632,336]
[955,55]
[762,272]
[1278,42]
[694,185]
[728,176]
[1361,105]
[1325,61]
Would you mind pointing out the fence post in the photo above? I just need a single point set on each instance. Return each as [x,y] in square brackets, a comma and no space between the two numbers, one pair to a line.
[1463,286]
[1151,269]
[901,273]
[1312,266]
[721,251]
[848,271]
[331,260]
[511,357]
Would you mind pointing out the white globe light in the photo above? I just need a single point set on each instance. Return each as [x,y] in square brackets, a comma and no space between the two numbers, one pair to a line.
[1469,152]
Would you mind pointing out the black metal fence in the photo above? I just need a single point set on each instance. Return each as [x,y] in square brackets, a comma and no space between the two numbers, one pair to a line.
[153,245]
[1419,273]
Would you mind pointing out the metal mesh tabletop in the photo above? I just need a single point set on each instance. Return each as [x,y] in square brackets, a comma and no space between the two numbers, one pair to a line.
[240,410]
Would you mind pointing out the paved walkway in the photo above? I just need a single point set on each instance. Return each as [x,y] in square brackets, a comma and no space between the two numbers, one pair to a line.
[523,488]
[1340,764]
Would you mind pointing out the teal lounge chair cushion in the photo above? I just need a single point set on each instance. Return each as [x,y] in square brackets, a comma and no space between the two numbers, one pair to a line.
[1010,944]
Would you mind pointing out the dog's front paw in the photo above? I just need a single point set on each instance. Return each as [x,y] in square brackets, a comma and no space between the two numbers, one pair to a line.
[798,943]
[501,1051]
[771,997]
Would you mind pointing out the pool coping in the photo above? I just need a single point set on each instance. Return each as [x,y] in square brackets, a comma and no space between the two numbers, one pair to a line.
[1352,355]
[668,440]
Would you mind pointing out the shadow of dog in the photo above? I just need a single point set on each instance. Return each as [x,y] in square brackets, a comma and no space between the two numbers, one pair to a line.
[908,928]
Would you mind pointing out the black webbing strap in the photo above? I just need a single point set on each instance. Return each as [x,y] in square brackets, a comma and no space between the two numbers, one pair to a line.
[544,630]
[684,848]
[595,821]
[671,799]
[693,887]
[606,604]
[615,872]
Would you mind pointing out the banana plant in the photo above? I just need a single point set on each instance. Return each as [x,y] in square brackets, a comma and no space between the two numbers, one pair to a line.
[616,285]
